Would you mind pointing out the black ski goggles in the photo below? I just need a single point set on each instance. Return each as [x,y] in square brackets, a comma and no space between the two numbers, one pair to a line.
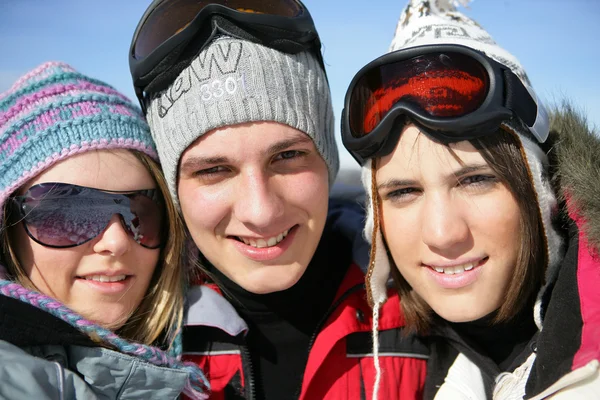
[62,215]
[173,31]
[452,92]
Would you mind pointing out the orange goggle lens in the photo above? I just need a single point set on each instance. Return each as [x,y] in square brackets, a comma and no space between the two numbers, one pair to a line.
[440,85]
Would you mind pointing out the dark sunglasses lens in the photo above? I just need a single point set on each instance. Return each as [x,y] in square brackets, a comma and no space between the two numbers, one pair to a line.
[144,220]
[442,85]
[171,17]
[61,220]
[62,215]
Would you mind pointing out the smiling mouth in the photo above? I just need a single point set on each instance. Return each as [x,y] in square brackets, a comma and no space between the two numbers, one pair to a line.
[264,242]
[104,278]
[457,269]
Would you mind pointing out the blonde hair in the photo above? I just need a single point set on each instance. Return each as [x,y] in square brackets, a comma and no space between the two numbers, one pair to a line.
[159,316]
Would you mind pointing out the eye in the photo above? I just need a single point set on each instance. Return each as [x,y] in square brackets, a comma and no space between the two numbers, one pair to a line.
[402,194]
[210,172]
[478,180]
[289,155]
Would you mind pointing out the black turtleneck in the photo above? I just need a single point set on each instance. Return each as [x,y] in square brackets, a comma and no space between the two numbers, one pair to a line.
[282,324]
[502,343]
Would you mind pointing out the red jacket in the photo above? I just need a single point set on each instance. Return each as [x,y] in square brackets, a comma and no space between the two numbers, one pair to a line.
[340,363]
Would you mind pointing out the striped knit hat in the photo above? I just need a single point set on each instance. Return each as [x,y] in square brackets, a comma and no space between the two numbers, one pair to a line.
[54,112]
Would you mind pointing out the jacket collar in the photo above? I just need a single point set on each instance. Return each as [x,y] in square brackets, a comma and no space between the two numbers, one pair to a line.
[25,325]
[207,307]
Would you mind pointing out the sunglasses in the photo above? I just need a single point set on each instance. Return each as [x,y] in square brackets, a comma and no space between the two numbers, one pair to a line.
[62,215]
[172,31]
[453,92]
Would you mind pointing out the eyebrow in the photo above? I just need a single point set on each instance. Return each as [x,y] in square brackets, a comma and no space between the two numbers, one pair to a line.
[285,144]
[194,163]
[464,170]
[469,169]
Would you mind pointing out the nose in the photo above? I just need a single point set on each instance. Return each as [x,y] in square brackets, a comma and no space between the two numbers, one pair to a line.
[114,240]
[258,203]
[445,227]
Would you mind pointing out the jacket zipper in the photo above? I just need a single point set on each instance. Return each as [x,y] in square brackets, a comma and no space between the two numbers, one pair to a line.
[249,373]
[330,310]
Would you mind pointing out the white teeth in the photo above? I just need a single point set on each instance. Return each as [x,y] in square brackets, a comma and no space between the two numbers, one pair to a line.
[458,269]
[104,278]
[269,242]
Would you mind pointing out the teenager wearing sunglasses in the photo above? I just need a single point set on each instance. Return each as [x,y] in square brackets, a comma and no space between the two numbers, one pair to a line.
[91,277]
[485,219]
[239,105]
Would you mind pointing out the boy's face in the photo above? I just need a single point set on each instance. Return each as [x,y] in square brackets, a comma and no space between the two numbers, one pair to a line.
[254,198]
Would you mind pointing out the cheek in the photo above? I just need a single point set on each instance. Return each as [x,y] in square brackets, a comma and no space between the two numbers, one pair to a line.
[50,270]
[400,230]
[308,189]
[307,193]
[147,260]
[203,208]
[31,254]
[500,221]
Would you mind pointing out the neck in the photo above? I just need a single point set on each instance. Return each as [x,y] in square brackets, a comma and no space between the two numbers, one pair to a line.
[306,301]
[503,342]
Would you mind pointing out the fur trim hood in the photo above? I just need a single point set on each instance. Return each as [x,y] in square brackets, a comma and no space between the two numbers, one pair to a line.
[575,159]
[574,151]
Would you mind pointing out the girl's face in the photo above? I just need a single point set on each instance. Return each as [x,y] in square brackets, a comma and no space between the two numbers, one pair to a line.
[451,226]
[77,276]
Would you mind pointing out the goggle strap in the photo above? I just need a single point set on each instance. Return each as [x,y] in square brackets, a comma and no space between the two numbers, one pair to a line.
[515,94]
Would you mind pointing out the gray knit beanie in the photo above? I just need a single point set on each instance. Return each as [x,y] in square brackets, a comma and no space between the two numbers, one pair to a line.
[233,81]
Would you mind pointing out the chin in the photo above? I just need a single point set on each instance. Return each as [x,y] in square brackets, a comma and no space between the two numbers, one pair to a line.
[459,316]
[281,278]
[111,320]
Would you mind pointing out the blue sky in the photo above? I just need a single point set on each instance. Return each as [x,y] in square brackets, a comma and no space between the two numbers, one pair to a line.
[555,40]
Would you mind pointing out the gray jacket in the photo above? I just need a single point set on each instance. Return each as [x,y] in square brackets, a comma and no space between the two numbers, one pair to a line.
[43,357]
[78,372]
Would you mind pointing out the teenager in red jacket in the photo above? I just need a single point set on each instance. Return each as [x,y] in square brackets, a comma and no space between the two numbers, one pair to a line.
[240,109]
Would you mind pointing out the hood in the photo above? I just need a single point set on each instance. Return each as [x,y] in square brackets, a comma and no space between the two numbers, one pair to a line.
[570,300]
[575,157]
[574,169]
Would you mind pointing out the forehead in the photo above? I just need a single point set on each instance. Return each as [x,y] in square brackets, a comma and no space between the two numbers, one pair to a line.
[118,170]
[246,141]
[418,153]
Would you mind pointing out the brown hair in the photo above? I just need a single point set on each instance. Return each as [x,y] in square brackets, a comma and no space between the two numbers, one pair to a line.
[159,315]
[504,154]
